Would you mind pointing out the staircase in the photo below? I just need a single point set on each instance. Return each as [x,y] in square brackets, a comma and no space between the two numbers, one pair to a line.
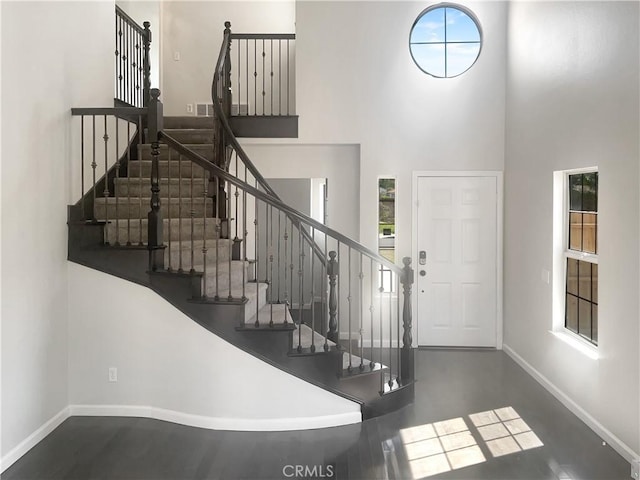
[187,214]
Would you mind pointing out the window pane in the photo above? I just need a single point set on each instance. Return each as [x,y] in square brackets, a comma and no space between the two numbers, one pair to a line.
[575,192]
[575,231]
[460,57]
[594,319]
[429,27]
[589,232]
[430,58]
[584,316]
[572,276]
[594,284]
[584,280]
[460,27]
[571,321]
[590,192]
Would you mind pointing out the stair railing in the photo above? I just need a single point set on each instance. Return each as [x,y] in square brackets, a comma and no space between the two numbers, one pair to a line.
[108,142]
[133,69]
[373,323]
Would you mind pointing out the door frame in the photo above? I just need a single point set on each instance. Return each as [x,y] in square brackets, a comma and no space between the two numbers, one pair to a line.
[499,176]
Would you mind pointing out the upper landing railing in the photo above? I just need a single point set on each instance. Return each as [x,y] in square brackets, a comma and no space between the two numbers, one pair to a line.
[133,71]
[262,75]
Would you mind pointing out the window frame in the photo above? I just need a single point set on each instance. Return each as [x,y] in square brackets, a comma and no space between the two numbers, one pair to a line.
[568,253]
[462,9]
[383,272]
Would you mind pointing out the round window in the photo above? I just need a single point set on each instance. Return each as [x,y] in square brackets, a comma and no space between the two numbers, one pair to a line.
[445,40]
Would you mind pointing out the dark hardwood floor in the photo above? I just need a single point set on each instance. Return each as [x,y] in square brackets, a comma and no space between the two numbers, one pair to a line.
[537,438]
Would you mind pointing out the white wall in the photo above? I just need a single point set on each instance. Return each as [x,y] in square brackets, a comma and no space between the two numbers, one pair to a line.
[357,83]
[168,362]
[572,98]
[45,71]
[194,29]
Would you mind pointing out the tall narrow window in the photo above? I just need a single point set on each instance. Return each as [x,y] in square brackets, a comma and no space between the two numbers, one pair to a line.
[387,229]
[581,253]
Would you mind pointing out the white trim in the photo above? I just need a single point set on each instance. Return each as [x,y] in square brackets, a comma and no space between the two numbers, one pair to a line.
[33,439]
[217,423]
[617,444]
[499,176]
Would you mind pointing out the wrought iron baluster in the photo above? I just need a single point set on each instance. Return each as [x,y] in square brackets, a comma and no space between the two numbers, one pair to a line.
[263,76]
[140,212]
[255,75]
[390,333]
[286,285]
[205,185]
[94,164]
[325,310]
[313,295]
[361,317]
[229,242]
[372,309]
[300,289]
[349,297]
[257,236]
[398,364]
[128,182]
[278,267]
[170,253]
[180,269]
[116,182]
[218,231]
[380,290]
[82,203]
[192,220]
[270,233]
[245,234]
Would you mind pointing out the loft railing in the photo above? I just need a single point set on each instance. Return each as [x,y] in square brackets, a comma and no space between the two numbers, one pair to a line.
[262,74]
[133,70]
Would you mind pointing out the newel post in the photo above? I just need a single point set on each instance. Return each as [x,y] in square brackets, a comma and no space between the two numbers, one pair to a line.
[146,66]
[406,354]
[332,272]
[155,240]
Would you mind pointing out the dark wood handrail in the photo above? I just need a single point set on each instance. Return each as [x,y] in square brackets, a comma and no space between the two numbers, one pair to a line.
[130,20]
[275,202]
[265,36]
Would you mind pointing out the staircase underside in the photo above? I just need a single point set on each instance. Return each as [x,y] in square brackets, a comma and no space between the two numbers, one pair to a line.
[270,345]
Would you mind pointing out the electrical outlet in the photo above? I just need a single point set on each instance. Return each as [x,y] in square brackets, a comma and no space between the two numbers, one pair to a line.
[635,468]
[189,107]
[113,374]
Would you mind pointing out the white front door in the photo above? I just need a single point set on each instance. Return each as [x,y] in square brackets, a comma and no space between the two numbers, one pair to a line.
[456,267]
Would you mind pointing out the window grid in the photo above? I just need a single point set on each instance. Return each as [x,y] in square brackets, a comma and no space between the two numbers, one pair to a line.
[581,268]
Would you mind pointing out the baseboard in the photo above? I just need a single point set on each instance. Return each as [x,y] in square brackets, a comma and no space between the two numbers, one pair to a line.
[217,423]
[33,439]
[618,445]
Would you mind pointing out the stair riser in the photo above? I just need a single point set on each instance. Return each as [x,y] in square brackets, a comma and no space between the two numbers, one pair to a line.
[223,279]
[183,168]
[187,122]
[203,150]
[133,210]
[131,230]
[222,255]
[185,190]
[192,136]
[250,307]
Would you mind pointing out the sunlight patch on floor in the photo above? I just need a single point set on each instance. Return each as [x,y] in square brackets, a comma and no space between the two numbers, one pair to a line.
[440,447]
